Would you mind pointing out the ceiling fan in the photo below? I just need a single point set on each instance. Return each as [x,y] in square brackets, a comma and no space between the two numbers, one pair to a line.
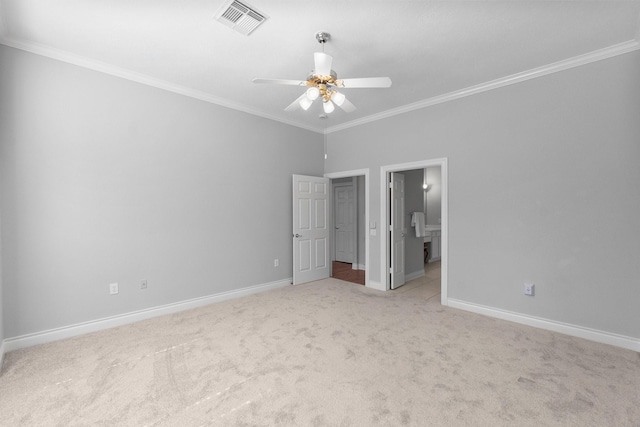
[323,83]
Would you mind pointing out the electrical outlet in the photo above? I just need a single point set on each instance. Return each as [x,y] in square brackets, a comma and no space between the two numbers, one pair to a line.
[276,262]
[143,284]
[113,288]
[529,289]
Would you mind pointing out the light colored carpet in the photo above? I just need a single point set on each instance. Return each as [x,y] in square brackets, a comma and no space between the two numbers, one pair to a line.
[328,353]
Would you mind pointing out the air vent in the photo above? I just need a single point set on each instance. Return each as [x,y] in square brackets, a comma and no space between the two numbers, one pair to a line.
[240,16]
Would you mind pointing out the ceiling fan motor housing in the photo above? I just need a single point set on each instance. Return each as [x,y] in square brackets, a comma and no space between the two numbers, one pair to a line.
[325,84]
[322,37]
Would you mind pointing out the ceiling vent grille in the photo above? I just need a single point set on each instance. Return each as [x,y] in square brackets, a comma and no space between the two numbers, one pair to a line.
[240,17]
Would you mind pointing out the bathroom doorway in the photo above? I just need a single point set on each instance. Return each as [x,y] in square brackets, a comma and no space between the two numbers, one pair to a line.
[440,229]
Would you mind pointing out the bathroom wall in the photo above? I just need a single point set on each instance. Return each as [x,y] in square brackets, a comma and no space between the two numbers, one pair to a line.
[432,198]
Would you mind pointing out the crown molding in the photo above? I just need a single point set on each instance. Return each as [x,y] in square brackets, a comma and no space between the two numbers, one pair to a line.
[124,73]
[576,61]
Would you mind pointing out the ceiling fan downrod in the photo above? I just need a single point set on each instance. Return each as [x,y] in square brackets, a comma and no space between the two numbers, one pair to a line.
[322,38]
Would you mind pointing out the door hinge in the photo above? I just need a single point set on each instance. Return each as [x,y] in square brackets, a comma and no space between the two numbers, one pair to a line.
[390,270]
[390,185]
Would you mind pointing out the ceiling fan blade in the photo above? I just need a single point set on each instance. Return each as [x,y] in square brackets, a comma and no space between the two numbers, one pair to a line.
[366,82]
[322,63]
[347,106]
[295,104]
[281,82]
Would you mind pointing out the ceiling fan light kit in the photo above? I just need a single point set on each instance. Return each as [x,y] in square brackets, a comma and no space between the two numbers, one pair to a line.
[305,103]
[338,98]
[313,93]
[328,107]
[323,83]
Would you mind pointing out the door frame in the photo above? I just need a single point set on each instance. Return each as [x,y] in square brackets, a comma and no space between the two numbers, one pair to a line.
[348,174]
[354,218]
[397,224]
[384,219]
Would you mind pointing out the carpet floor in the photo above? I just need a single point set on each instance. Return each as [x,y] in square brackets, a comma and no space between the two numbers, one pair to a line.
[327,353]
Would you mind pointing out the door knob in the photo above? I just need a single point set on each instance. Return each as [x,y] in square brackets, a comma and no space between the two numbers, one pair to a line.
[297,235]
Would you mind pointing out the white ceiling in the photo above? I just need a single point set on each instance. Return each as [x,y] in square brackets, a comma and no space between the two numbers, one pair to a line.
[431,50]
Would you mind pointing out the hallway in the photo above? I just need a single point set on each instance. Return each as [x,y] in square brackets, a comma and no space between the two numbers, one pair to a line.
[344,271]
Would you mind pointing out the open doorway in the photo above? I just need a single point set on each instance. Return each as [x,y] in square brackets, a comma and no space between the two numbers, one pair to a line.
[349,217]
[427,248]
[347,251]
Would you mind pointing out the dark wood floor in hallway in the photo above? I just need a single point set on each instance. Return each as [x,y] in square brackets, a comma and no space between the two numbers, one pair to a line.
[345,271]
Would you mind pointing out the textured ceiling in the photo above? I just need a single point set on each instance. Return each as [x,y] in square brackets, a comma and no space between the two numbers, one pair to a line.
[432,50]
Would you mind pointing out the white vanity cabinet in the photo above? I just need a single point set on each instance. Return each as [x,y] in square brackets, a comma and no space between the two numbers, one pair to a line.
[435,246]
[432,234]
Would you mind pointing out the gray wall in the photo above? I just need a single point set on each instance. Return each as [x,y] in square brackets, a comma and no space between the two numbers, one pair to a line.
[103,180]
[433,196]
[543,188]
[413,202]
[106,180]
[2,336]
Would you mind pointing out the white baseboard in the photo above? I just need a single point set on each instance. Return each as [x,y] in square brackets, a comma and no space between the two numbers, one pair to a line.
[414,275]
[376,285]
[617,340]
[70,331]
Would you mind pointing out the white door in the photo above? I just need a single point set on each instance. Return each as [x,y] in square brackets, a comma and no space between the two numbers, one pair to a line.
[398,230]
[310,229]
[344,218]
